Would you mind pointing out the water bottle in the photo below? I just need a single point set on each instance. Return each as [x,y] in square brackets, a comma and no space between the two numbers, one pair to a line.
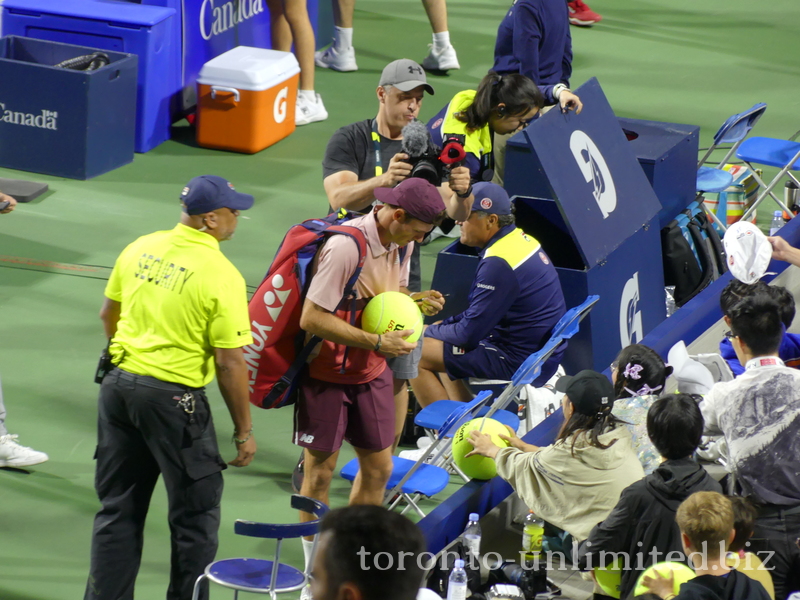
[472,537]
[532,532]
[777,222]
[457,582]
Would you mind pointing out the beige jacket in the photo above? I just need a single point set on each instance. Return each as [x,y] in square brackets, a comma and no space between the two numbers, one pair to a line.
[575,492]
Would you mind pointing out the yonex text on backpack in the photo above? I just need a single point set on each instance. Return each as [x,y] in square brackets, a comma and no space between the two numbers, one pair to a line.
[278,352]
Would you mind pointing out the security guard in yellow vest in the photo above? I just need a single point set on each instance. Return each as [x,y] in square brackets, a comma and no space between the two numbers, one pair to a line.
[514,303]
[175,312]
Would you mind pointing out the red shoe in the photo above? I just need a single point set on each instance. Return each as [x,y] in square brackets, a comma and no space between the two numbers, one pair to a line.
[580,14]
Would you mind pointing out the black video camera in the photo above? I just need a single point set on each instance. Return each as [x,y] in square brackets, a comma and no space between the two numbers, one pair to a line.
[531,580]
[427,160]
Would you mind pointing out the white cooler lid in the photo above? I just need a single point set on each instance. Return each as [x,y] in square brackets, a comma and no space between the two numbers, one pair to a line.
[247,68]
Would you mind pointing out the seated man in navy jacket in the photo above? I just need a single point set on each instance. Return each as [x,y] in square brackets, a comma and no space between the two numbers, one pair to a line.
[514,303]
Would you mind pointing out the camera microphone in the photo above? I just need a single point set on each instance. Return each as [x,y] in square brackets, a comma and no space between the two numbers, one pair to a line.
[415,139]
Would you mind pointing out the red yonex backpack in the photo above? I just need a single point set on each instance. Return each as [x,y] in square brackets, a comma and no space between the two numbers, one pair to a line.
[277,355]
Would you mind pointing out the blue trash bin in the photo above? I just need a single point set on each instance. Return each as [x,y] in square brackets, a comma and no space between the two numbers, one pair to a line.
[76,124]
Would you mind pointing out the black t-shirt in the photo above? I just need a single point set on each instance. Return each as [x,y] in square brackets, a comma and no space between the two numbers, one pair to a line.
[351,149]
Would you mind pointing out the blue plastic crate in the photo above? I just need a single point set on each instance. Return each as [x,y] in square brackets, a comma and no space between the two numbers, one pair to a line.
[75,124]
[146,31]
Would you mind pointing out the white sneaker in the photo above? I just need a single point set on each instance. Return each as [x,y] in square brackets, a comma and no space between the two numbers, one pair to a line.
[331,58]
[14,455]
[306,593]
[443,60]
[306,112]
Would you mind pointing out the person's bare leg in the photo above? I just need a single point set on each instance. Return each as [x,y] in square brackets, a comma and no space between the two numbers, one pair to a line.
[318,473]
[427,387]
[278,26]
[400,409]
[437,14]
[456,390]
[374,470]
[343,13]
[296,12]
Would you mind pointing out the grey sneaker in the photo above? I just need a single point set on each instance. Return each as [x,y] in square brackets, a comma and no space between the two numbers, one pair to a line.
[331,58]
[443,60]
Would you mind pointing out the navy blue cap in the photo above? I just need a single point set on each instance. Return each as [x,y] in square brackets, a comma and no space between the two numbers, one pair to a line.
[210,192]
[490,198]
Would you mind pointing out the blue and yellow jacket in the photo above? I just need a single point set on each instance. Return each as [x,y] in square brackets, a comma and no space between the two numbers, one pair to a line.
[515,300]
[477,144]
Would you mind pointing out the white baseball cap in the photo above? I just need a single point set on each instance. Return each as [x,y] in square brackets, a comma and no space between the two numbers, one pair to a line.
[748,251]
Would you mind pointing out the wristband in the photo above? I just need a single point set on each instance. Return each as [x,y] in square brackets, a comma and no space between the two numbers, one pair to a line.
[378,345]
[558,88]
[466,194]
[238,441]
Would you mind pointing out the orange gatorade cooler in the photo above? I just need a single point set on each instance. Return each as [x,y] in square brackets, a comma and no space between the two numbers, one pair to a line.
[246,99]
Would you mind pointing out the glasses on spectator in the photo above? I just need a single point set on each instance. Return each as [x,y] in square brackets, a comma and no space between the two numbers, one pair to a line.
[729,335]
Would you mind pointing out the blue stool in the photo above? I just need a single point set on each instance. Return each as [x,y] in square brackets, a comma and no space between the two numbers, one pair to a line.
[259,576]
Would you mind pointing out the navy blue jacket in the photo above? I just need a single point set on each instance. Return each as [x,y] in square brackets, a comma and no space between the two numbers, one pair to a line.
[515,300]
[534,39]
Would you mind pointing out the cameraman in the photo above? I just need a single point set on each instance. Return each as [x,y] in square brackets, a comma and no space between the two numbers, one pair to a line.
[13,454]
[366,155]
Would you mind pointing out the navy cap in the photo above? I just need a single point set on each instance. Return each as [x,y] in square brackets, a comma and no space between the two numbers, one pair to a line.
[589,391]
[490,198]
[210,192]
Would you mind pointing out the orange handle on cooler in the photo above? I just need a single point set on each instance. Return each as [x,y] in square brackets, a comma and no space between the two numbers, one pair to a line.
[229,90]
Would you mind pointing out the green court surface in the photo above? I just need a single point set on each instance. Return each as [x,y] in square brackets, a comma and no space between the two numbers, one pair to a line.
[683,61]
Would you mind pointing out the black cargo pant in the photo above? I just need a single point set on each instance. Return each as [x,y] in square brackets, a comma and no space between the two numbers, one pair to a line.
[145,430]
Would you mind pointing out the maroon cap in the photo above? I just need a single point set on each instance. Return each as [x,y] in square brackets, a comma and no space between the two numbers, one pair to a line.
[416,196]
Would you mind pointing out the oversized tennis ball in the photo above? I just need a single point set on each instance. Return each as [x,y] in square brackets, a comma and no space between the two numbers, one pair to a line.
[392,311]
[681,572]
[610,578]
[477,467]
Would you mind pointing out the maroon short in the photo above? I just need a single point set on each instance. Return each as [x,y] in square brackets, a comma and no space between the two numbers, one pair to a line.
[362,413]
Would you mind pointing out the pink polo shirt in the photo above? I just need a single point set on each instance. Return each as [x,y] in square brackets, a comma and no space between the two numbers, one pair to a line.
[382,272]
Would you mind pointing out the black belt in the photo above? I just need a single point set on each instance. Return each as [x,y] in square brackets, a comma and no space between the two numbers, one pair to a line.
[776,510]
[153,381]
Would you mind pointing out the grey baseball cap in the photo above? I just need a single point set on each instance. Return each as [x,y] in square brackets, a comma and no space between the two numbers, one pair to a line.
[405,75]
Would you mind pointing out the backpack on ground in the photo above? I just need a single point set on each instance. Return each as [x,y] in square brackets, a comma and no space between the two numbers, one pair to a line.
[279,351]
[692,252]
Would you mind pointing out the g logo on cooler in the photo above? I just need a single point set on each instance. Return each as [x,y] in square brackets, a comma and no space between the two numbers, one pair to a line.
[279,109]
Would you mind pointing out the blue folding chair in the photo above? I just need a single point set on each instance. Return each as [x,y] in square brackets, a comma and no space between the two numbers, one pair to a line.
[783,154]
[259,576]
[733,131]
[412,480]
[432,416]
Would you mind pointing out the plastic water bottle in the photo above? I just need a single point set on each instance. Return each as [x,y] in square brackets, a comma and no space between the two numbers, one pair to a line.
[472,537]
[777,222]
[532,532]
[457,582]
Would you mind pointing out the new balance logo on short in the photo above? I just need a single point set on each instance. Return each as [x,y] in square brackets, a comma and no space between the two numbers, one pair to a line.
[307,439]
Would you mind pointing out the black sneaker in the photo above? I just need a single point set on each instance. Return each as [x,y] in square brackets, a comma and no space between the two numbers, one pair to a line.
[297,474]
